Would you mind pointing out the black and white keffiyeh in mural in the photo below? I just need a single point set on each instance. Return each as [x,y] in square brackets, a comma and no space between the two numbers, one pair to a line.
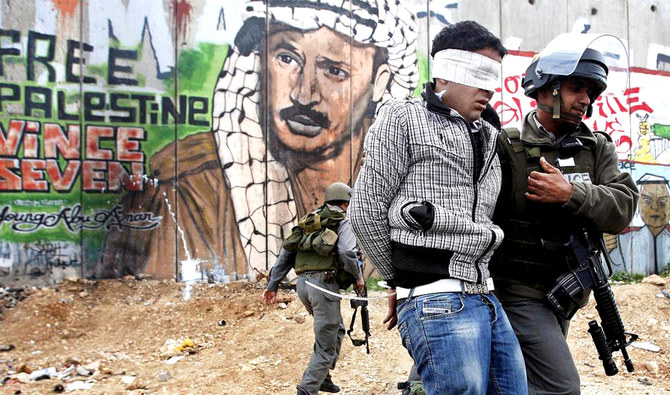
[241,142]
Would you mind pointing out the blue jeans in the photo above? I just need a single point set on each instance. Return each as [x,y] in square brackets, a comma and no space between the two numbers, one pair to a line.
[462,344]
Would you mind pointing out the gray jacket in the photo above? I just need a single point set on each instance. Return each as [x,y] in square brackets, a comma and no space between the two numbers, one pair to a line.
[415,155]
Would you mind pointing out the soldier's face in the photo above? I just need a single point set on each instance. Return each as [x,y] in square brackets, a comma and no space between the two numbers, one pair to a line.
[319,86]
[654,204]
[575,98]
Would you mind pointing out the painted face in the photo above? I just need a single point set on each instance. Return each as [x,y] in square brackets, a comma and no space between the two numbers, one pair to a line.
[654,204]
[319,86]
[467,100]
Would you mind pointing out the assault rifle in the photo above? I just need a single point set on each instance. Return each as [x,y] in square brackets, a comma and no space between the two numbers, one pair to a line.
[365,319]
[587,273]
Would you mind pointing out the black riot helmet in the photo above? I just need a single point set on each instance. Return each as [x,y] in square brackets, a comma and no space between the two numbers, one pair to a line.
[591,66]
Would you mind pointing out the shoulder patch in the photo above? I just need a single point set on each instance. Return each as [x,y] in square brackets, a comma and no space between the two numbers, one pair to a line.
[512,133]
[512,137]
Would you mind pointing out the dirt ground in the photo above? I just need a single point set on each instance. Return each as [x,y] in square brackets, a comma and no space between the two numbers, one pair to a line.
[124,332]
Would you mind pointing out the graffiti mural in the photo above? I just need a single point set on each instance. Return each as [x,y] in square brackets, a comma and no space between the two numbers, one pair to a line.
[55,260]
[282,142]
[651,236]
[83,111]
[183,138]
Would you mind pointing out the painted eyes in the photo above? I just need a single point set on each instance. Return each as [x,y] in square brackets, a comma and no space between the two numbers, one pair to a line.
[337,72]
[288,59]
[661,202]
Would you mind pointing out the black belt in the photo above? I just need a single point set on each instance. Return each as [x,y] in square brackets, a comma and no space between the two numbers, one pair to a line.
[326,276]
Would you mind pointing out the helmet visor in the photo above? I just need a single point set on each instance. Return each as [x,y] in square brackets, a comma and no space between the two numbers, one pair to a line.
[562,54]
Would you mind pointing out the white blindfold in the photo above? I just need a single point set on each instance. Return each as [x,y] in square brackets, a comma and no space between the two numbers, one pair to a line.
[467,68]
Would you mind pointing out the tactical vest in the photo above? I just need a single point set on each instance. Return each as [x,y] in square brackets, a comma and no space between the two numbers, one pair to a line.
[533,229]
[315,239]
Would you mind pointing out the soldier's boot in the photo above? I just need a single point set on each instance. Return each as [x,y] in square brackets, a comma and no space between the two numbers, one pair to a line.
[329,386]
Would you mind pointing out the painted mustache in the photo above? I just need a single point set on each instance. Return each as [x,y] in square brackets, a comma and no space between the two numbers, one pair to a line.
[304,120]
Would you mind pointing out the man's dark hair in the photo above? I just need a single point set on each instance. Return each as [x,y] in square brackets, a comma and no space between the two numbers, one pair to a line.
[466,36]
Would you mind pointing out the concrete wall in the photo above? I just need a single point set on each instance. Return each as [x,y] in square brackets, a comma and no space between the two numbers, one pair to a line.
[145,136]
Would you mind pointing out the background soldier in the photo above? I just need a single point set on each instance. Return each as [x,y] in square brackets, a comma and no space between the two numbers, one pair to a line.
[324,271]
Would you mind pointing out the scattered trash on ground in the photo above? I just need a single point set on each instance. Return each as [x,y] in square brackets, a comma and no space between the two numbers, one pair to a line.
[79,385]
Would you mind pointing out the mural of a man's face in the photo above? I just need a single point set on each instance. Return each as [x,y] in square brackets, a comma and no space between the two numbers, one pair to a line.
[655,205]
[319,86]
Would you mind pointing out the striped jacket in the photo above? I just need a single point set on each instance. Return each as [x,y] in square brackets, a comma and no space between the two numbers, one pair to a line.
[415,155]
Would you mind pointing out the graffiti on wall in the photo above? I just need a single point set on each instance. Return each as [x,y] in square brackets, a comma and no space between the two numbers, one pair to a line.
[183,139]
[281,144]
[106,154]
[629,114]
[644,247]
[80,116]
[55,259]
[74,220]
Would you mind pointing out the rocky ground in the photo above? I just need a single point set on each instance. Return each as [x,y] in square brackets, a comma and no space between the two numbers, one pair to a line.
[131,336]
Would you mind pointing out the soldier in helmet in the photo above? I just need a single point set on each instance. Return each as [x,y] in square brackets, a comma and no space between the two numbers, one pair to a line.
[558,176]
[322,251]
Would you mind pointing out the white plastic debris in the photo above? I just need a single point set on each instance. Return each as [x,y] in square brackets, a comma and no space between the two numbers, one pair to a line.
[127,379]
[82,371]
[174,360]
[79,385]
[45,373]
[66,373]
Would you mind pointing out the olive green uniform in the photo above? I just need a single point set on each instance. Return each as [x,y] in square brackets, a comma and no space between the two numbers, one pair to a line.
[603,199]
[322,271]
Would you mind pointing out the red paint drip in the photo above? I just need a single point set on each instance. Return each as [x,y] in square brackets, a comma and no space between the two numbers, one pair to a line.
[183,13]
[66,7]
